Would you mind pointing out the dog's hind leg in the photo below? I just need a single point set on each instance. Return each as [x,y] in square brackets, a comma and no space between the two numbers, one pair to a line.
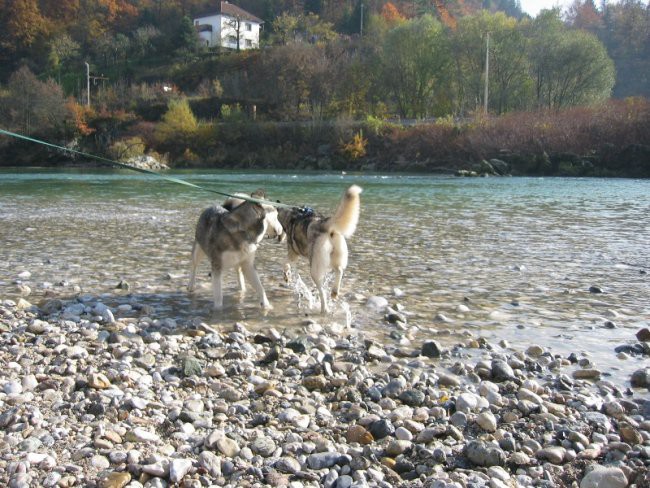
[248,267]
[339,261]
[319,266]
[241,280]
[217,293]
[197,255]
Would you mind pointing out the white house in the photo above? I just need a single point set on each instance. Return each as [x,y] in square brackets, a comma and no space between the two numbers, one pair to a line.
[225,24]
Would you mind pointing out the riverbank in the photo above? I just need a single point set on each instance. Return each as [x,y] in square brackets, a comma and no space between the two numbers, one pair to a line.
[608,141]
[101,393]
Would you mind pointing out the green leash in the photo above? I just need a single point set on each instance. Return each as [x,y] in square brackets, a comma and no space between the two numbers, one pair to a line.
[145,171]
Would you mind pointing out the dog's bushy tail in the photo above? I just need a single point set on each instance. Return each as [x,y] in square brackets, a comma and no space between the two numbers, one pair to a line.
[346,217]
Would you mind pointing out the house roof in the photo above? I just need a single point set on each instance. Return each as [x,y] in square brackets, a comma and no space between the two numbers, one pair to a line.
[231,10]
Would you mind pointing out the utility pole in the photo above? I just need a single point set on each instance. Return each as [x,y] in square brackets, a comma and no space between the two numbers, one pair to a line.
[87,84]
[361,20]
[487,71]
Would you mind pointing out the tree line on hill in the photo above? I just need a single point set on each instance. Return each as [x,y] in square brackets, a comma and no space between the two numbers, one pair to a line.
[416,60]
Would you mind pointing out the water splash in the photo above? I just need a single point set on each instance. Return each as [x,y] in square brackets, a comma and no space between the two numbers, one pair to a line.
[303,293]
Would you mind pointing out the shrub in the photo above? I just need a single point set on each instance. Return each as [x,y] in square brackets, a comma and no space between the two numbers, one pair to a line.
[126,149]
[356,148]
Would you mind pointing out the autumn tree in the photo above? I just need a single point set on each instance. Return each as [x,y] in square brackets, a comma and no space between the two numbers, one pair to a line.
[508,77]
[178,125]
[391,14]
[626,34]
[33,106]
[583,14]
[416,61]
[568,67]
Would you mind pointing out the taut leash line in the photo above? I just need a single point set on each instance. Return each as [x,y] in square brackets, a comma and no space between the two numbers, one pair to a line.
[142,170]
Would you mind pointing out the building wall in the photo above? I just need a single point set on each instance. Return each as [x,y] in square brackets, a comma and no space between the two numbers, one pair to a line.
[224,32]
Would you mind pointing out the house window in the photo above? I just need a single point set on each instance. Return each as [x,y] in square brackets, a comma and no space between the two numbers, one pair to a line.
[249,27]
[249,43]
[232,39]
[196,22]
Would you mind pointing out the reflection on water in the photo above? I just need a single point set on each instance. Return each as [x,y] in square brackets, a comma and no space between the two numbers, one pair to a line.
[509,258]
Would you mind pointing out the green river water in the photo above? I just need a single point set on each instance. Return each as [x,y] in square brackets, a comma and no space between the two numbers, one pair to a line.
[501,258]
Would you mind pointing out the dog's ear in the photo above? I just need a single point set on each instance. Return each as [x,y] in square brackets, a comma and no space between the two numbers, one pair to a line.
[259,193]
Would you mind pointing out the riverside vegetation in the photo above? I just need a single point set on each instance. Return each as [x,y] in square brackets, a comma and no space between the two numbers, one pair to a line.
[407,95]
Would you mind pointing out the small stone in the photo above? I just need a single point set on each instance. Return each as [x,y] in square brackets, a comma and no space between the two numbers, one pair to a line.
[321,460]
[115,480]
[604,477]
[99,381]
[501,371]
[357,433]
[586,374]
[13,388]
[445,379]
[381,428]
[640,378]
[535,351]
[466,402]
[397,447]
[178,468]
[123,285]
[159,469]
[431,349]
[264,446]
[643,335]
[318,382]
[553,455]
[191,366]
[629,434]
[228,447]
[412,398]
[487,421]
[595,289]
[140,434]
[100,462]
[288,465]
[377,303]
[520,459]
[485,455]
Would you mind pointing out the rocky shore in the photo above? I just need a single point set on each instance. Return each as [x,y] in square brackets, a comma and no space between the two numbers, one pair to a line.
[115,396]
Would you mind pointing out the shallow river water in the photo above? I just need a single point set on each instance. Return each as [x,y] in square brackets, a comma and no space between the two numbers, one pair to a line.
[501,258]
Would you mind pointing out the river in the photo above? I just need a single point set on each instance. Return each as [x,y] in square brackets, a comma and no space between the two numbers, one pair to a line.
[501,258]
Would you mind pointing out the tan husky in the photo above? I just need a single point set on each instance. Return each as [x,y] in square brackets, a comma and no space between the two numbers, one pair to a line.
[322,240]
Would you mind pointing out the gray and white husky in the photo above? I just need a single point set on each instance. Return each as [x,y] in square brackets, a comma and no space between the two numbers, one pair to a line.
[229,235]
[322,240]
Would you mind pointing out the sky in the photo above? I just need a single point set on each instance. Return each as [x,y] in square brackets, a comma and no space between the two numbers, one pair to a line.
[532,7]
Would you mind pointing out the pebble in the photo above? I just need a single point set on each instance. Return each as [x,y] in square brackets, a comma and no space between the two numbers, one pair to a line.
[178,468]
[487,421]
[604,477]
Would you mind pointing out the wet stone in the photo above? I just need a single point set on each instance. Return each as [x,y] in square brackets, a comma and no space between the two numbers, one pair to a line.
[482,454]
[432,349]
[381,428]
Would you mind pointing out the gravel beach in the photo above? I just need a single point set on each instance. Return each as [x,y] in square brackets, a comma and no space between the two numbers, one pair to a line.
[117,396]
